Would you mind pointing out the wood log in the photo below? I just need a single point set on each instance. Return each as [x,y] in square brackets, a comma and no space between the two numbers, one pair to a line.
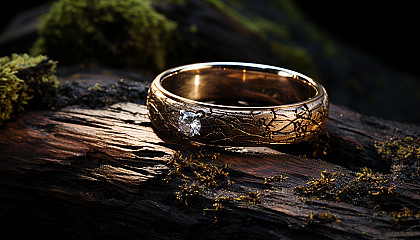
[103,173]
[95,169]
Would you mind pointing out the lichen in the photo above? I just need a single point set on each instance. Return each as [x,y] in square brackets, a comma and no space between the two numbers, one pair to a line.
[109,32]
[24,81]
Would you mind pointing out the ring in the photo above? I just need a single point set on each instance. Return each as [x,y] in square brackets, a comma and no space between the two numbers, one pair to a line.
[237,104]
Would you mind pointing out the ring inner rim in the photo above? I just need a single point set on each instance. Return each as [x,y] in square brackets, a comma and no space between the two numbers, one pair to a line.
[171,83]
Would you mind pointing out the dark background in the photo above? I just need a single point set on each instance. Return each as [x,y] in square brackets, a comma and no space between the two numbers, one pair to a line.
[387,30]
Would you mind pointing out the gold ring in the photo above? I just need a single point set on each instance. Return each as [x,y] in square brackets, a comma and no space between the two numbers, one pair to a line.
[237,104]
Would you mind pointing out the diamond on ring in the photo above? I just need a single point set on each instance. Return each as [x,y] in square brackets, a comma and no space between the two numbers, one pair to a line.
[189,123]
[237,104]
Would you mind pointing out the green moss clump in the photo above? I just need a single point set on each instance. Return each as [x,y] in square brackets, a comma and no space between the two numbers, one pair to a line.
[109,32]
[25,80]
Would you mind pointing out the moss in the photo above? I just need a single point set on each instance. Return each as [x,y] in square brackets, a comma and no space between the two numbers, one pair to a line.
[276,178]
[108,32]
[196,176]
[405,218]
[401,148]
[220,203]
[322,218]
[189,191]
[320,188]
[368,189]
[404,153]
[365,189]
[25,80]
[250,198]
[193,28]
[178,2]
[189,167]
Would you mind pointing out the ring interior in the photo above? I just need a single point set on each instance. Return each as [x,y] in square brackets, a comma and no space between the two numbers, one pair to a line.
[239,87]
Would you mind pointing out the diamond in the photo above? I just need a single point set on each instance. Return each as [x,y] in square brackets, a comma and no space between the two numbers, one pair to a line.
[189,123]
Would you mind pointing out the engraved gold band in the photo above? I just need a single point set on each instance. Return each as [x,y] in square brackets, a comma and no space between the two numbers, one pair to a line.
[237,104]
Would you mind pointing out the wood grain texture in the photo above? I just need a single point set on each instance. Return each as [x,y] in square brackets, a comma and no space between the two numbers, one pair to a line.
[79,173]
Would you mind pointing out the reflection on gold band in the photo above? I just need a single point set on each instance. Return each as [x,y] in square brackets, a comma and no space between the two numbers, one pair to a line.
[237,104]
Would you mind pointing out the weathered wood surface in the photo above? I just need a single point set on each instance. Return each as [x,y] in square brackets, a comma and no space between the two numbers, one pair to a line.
[84,173]
[80,173]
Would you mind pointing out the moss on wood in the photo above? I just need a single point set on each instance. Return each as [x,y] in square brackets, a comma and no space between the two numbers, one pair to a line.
[275,178]
[195,175]
[199,179]
[322,218]
[25,80]
[365,189]
[405,218]
[404,153]
[108,32]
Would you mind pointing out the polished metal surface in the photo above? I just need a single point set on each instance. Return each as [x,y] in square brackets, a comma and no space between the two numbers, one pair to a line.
[237,104]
